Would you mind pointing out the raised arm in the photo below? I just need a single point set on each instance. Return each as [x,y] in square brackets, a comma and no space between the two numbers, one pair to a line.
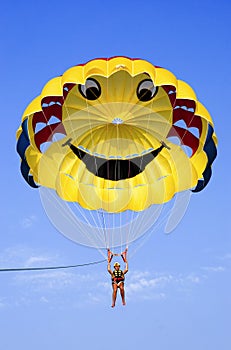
[109,259]
[126,267]
[124,257]
[109,268]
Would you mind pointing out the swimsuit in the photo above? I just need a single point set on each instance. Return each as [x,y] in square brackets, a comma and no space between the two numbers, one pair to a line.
[118,277]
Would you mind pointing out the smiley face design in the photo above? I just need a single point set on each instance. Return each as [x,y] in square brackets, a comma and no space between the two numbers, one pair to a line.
[117,134]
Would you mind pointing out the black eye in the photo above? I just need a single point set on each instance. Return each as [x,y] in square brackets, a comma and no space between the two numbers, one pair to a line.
[146,90]
[90,90]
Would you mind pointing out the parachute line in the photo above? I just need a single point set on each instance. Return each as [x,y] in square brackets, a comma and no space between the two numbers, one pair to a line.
[50,267]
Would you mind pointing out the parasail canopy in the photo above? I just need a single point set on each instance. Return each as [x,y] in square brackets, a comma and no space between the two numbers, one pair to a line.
[117,135]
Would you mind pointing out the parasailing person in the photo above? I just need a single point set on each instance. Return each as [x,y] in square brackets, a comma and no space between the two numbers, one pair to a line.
[117,276]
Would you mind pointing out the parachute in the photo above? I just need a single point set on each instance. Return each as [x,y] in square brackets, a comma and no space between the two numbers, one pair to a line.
[109,142]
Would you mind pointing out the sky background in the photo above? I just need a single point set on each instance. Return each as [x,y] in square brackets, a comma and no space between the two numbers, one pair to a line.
[178,287]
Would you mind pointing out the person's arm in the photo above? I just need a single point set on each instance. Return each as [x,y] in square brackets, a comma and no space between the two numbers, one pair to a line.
[124,257]
[109,268]
[126,267]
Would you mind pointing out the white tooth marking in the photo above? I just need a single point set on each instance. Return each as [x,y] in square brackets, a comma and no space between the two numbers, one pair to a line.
[191,109]
[44,105]
[85,149]
[171,92]
[51,103]
[95,154]
[44,146]
[39,126]
[99,155]
[132,155]
[53,120]
[147,151]
[82,148]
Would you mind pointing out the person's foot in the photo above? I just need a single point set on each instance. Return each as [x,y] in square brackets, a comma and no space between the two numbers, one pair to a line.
[123,302]
[113,305]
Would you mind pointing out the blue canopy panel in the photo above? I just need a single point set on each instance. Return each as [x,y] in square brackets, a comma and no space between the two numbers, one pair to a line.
[22,144]
[25,170]
[211,152]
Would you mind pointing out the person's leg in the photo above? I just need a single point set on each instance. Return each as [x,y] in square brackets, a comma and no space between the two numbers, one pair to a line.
[122,293]
[114,294]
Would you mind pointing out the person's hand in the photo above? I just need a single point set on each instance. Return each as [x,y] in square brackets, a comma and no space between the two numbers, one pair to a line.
[109,256]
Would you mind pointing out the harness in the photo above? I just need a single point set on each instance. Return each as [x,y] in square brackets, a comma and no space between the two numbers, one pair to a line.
[118,276]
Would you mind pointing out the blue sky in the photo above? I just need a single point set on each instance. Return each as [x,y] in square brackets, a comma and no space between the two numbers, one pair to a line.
[178,287]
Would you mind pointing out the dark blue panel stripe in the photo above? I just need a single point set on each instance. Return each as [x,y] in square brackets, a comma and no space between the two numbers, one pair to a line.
[199,187]
[22,145]
[211,152]
[209,133]
[25,169]
[202,183]
[207,175]
[25,128]
[210,147]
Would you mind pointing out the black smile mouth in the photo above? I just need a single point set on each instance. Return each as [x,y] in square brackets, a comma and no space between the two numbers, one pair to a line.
[115,169]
